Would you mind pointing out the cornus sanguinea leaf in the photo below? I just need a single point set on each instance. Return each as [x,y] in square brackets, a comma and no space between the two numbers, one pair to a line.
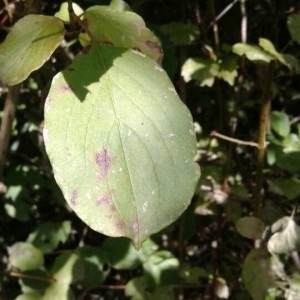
[121,143]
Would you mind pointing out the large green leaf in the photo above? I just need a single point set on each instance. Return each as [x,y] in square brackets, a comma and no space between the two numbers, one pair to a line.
[252,52]
[122,29]
[121,143]
[29,44]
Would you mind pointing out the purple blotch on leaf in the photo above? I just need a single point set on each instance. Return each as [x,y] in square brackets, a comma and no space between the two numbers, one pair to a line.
[64,88]
[74,197]
[104,161]
[106,199]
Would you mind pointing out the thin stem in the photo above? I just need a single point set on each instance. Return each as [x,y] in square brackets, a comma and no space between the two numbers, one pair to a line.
[233,140]
[263,124]
[244,22]
[37,278]
[215,25]
[7,123]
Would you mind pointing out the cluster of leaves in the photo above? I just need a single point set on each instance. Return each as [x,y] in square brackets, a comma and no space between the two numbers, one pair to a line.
[116,134]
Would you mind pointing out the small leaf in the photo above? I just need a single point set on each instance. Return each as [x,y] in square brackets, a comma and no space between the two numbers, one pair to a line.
[252,52]
[63,13]
[257,273]
[221,289]
[25,256]
[163,267]
[286,240]
[202,70]
[138,288]
[30,296]
[180,33]
[123,161]
[250,227]
[121,254]
[280,123]
[289,187]
[293,25]
[269,47]
[28,46]
[119,5]
[122,29]
[289,161]
[228,70]
[48,235]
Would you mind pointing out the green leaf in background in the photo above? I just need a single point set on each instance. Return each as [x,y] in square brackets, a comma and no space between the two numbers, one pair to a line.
[95,265]
[121,254]
[257,273]
[68,268]
[180,33]
[252,52]
[30,296]
[289,187]
[163,267]
[28,46]
[280,123]
[285,240]
[228,70]
[250,227]
[119,5]
[289,161]
[122,29]
[121,143]
[25,256]
[63,13]
[293,25]
[202,70]
[48,235]
[268,46]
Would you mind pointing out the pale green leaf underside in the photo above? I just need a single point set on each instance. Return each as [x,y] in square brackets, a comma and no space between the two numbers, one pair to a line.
[30,43]
[121,143]
[122,29]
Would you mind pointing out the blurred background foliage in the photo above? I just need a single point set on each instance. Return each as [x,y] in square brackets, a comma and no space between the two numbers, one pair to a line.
[236,66]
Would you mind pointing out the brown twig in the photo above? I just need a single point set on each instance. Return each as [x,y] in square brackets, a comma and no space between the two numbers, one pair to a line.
[6,124]
[233,140]
[37,278]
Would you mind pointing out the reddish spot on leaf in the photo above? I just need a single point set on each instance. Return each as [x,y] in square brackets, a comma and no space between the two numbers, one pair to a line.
[156,46]
[135,227]
[104,161]
[64,88]
[106,198]
[74,197]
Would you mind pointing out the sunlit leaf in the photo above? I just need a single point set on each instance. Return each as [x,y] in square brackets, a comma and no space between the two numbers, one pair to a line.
[30,296]
[202,70]
[268,46]
[122,29]
[163,267]
[280,123]
[28,46]
[286,240]
[252,52]
[119,153]
[63,12]
[25,256]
